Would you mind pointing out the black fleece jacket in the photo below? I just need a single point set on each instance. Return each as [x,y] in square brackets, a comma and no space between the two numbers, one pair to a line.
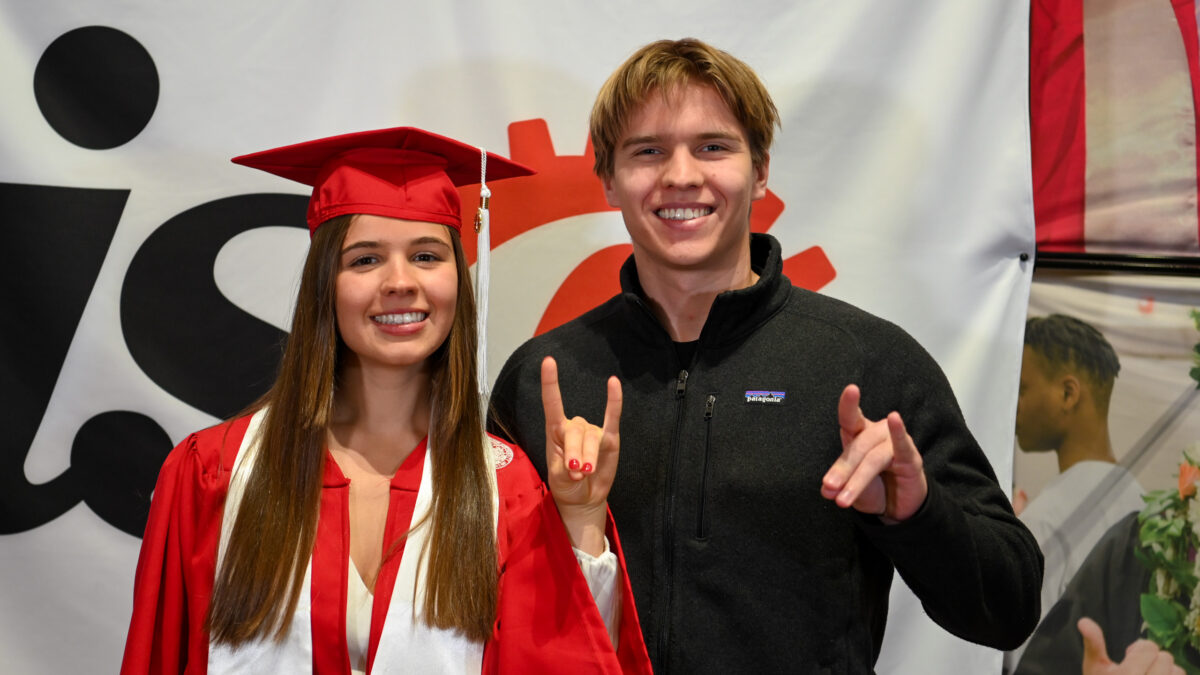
[737,563]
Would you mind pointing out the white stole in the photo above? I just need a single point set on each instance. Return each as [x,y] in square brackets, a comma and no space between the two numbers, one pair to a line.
[406,645]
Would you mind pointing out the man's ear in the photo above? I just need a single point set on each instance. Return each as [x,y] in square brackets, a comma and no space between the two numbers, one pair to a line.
[760,178]
[610,194]
[1070,392]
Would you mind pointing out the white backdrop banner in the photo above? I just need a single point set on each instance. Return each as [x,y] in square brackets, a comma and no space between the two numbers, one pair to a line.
[148,281]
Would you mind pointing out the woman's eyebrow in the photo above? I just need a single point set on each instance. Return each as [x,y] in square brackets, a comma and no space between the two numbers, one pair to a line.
[419,241]
[360,244]
[431,240]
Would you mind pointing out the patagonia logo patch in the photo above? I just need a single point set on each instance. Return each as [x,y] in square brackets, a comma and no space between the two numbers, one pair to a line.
[763,396]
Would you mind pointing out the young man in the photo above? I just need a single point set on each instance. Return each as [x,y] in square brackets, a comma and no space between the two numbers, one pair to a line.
[782,451]
[1067,375]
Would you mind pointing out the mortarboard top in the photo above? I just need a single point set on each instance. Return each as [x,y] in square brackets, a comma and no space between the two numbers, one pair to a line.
[402,172]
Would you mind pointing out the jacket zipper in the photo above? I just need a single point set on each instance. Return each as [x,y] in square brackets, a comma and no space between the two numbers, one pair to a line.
[702,524]
[669,520]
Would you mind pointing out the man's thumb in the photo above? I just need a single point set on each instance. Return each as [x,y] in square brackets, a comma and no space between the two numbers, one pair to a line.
[1094,651]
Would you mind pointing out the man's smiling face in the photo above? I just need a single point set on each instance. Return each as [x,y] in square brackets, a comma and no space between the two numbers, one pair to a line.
[684,181]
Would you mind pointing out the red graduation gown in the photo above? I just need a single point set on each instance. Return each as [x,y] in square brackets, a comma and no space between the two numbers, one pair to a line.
[547,621]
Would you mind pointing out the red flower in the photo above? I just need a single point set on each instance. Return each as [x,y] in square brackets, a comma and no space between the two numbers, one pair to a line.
[1188,475]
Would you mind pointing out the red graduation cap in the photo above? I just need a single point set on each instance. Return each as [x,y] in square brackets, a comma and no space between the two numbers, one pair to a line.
[402,172]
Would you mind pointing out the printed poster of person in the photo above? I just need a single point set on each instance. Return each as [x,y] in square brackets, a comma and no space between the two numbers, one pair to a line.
[1106,410]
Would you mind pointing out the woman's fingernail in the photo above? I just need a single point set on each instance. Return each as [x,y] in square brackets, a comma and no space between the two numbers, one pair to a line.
[587,468]
[573,465]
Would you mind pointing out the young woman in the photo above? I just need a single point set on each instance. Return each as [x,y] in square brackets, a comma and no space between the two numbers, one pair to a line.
[358,519]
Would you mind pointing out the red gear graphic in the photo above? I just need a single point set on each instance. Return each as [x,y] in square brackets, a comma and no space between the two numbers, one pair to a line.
[565,186]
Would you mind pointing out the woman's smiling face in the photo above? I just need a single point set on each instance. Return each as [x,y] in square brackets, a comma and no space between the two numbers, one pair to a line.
[397,286]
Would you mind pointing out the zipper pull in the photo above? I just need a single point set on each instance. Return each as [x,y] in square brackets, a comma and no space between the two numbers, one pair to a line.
[681,384]
[709,403]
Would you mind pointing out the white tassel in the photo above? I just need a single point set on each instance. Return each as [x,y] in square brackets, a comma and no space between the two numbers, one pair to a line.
[482,277]
[483,258]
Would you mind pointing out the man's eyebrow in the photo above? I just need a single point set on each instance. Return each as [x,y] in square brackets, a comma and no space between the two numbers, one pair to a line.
[638,140]
[719,135]
[706,136]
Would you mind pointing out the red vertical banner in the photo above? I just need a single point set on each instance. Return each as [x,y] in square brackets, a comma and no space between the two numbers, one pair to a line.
[1113,124]
[1185,14]
[1057,89]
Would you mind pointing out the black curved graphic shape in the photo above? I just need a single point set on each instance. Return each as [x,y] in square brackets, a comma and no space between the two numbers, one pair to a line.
[96,86]
[56,239]
[180,329]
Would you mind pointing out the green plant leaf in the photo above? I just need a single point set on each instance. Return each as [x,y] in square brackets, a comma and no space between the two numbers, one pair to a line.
[1158,501]
[1164,619]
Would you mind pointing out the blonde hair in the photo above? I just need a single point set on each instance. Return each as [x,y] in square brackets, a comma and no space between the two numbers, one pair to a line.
[666,66]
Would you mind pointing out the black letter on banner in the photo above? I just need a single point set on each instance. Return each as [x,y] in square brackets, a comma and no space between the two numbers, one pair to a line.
[180,329]
[55,239]
[116,457]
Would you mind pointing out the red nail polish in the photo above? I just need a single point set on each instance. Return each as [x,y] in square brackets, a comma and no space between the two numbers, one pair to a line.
[587,468]
[573,465]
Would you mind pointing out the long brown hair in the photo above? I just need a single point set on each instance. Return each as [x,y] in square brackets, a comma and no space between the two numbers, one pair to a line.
[258,584]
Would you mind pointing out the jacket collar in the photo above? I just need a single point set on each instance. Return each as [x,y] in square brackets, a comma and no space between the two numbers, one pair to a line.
[734,314]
